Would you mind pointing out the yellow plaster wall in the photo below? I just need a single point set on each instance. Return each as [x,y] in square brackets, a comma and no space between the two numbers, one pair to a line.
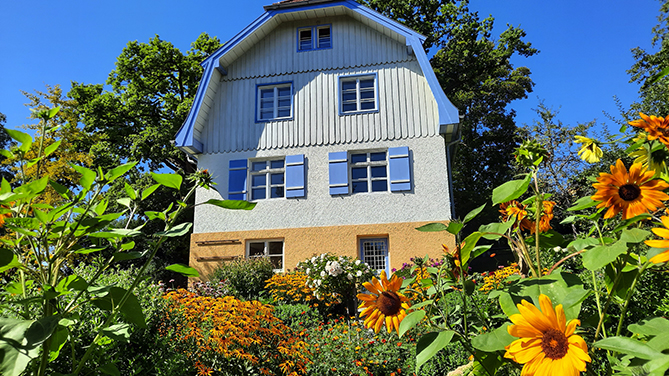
[404,242]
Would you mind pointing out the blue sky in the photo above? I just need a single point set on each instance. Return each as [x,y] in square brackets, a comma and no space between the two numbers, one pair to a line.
[585,45]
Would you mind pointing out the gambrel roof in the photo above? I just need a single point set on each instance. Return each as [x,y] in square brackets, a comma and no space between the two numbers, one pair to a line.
[291,10]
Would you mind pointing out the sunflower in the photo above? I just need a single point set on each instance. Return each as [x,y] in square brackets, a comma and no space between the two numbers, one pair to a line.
[660,243]
[384,303]
[590,151]
[656,127]
[544,221]
[547,344]
[514,209]
[632,193]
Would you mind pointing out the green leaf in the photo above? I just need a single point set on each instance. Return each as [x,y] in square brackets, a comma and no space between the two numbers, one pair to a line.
[168,180]
[469,287]
[431,227]
[51,148]
[123,256]
[601,255]
[147,192]
[479,250]
[628,346]
[650,327]
[8,260]
[470,243]
[656,77]
[176,231]
[125,201]
[85,251]
[131,309]
[411,320]
[58,339]
[87,176]
[25,140]
[232,204]
[430,344]
[115,233]
[634,235]
[15,350]
[130,191]
[510,190]
[52,112]
[583,243]
[472,214]
[33,188]
[60,189]
[71,282]
[110,369]
[454,227]
[153,215]
[118,332]
[496,340]
[128,246]
[183,269]
[583,203]
[494,231]
[116,172]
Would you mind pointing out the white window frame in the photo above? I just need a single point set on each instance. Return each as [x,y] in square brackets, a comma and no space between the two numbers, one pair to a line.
[373,260]
[275,101]
[268,171]
[266,251]
[359,92]
[314,40]
[369,164]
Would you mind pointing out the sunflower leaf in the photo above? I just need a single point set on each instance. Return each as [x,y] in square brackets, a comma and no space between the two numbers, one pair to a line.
[430,344]
[411,320]
[496,340]
[628,346]
[601,255]
[583,203]
[510,190]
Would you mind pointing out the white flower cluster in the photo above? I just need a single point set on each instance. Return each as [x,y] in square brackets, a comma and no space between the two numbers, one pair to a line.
[332,275]
[333,268]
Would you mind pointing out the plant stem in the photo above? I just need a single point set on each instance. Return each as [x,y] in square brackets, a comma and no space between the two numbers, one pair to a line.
[599,305]
[628,297]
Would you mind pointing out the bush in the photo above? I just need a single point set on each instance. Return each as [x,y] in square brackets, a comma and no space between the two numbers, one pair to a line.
[297,316]
[232,336]
[245,279]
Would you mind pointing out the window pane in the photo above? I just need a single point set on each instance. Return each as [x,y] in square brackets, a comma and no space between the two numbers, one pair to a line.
[258,166]
[379,186]
[358,158]
[305,39]
[359,173]
[277,262]
[275,248]
[349,97]
[266,93]
[367,106]
[324,43]
[366,83]
[377,156]
[256,249]
[276,164]
[284,102]
[277,179]
[378,171]
[258,180]
[348,85]
[359,186]
[284,91]
[266,115]
[283,113]
[367,94]
[349,107]
[258,194]
[276,192]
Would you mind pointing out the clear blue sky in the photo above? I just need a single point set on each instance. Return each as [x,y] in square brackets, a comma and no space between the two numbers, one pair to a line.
[585,45]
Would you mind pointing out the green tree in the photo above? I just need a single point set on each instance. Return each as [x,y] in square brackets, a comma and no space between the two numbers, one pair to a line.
[476,73]
[5,141]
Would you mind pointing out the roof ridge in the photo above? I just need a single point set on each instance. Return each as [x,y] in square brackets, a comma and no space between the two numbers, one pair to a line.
[294,3]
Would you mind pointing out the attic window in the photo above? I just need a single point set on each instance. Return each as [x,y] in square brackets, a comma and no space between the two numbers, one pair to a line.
[314,38]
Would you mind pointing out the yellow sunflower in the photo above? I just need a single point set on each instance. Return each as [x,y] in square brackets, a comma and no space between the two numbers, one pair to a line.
[656,127]
[547,344]
[384,303]
[544,221]
[590,151]
[632,193]
[660,243]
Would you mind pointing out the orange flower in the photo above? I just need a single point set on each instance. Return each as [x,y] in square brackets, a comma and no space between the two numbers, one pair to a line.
[660,243]
[656,127]
[632,193]
[384,303]
[512,209]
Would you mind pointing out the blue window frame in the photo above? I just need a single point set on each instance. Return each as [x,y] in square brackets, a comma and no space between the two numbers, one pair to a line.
[314,38]
[357,94]
[274,102]
[369,172]
[374,252]
[259,179]
[267,179]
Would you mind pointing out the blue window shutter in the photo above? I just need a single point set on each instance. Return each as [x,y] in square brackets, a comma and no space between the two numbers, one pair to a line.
[338,172]
[295,177]
[400,174]
[237,180]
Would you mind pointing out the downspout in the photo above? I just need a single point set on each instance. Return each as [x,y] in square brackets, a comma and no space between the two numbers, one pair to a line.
[449,164]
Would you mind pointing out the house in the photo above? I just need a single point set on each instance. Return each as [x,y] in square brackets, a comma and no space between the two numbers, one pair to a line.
[329,116]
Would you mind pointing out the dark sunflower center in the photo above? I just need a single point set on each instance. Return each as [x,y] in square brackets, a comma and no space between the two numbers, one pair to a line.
[389,303]
[629,192]
[554,344]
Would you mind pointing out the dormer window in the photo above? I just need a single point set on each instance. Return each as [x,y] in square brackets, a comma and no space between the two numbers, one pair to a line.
[314,38]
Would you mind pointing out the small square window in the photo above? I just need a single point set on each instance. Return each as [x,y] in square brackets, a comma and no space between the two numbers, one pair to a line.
[264,172]
[357,94]
[275,102]
[314,38]
[369,172]
[272,249]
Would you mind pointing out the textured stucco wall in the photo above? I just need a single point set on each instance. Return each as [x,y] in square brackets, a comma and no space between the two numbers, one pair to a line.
[404,242]
[428,200]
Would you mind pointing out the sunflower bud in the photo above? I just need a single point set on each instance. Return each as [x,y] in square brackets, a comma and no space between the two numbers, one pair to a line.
[530,153]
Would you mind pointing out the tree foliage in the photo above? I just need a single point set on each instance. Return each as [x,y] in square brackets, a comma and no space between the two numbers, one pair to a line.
[475,71]
[152,90]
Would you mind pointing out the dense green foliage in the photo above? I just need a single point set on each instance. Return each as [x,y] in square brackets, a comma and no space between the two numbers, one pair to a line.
[245,279]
